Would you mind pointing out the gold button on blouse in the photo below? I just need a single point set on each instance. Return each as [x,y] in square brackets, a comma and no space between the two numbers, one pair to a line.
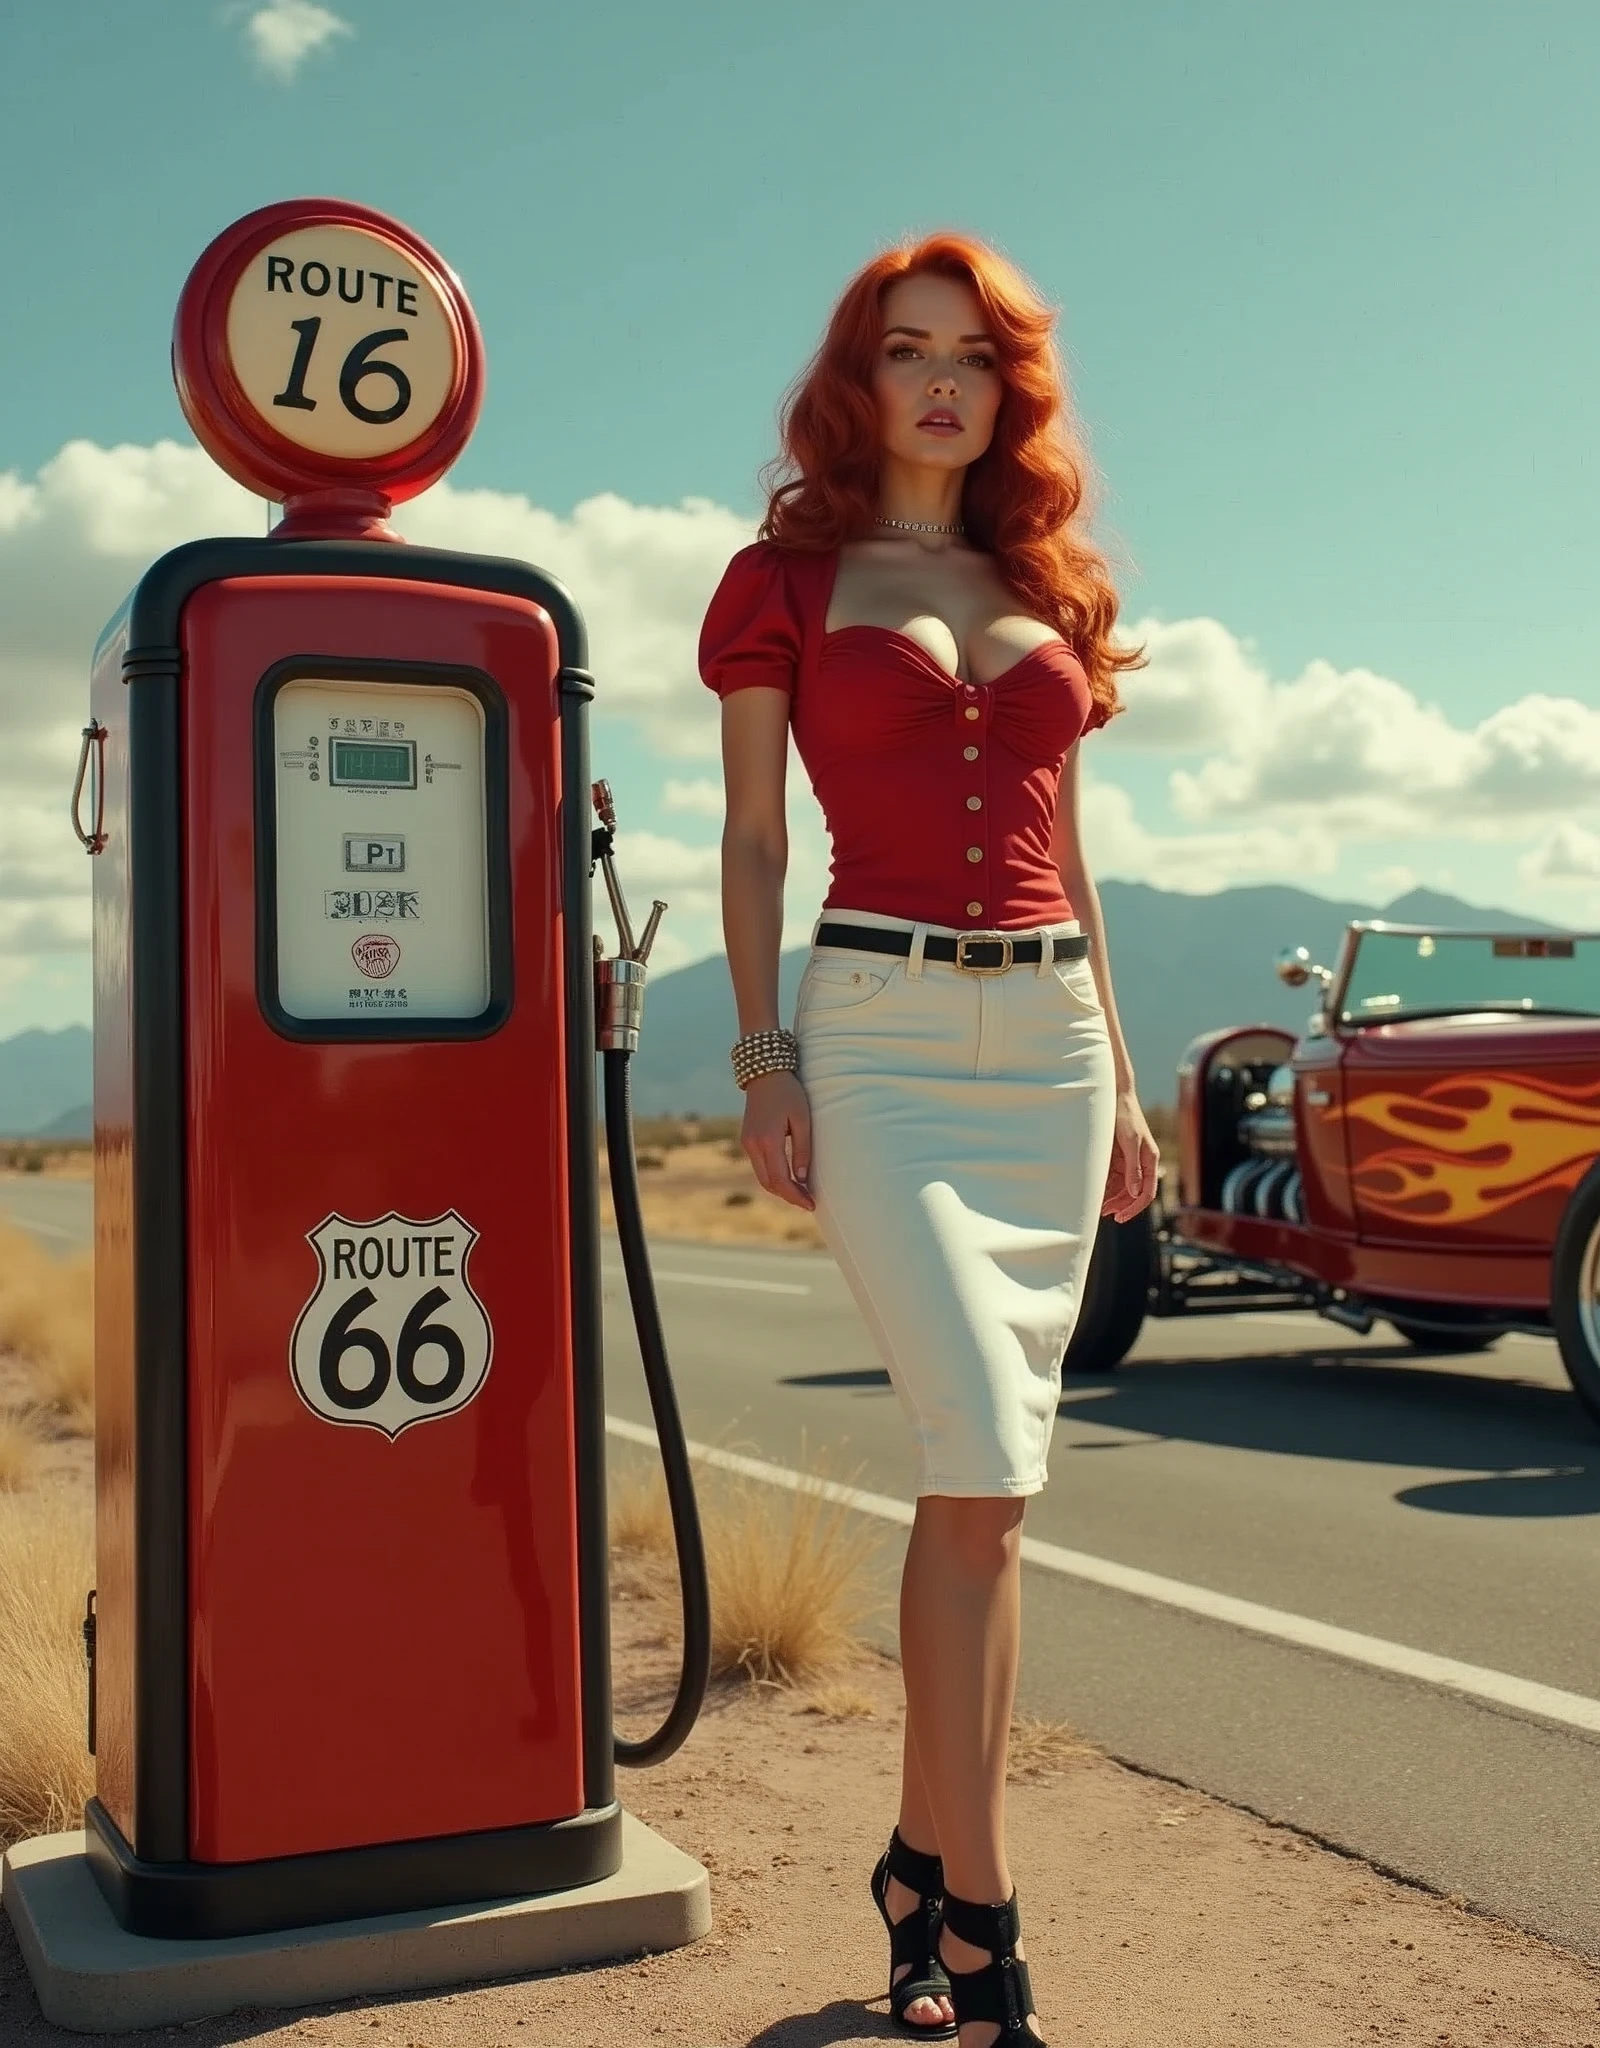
[974,910]
[969,753]
[974,803]
[972,710]
[974,853]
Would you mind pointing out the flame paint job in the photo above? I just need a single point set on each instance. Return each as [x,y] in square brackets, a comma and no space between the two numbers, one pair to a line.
[1438,1169]
[1468,1146]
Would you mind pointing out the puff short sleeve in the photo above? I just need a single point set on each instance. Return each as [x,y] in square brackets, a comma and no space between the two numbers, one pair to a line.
[751,636]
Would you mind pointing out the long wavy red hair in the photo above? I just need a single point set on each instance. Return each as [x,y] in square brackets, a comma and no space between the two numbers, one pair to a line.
[1025,499]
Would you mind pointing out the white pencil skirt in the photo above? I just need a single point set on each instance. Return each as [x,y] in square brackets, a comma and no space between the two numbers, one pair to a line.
[961,1135]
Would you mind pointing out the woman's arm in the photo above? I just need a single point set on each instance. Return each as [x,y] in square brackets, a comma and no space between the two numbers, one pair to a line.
[1135,1160]
[755,855]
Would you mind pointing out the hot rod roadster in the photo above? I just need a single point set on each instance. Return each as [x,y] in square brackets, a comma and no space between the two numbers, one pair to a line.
[1427,1151]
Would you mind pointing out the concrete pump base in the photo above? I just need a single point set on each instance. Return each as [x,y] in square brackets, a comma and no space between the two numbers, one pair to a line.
[94,1978]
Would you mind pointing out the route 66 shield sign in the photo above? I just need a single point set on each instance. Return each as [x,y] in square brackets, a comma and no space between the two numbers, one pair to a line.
[393,1333]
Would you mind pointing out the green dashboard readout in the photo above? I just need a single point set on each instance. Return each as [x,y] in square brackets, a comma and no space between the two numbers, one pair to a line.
[390,764]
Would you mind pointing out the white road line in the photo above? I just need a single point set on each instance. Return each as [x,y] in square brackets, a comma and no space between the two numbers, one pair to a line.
[1477,1681]
[718,1280]
[36,1229]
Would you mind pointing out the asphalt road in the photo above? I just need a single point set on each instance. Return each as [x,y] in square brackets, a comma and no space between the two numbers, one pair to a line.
[57,1212]
[1446,1505]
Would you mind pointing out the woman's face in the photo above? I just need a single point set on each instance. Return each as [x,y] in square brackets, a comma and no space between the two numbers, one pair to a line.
[937,373]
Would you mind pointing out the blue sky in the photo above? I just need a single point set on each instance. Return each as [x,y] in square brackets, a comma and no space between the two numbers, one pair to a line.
[1329,303]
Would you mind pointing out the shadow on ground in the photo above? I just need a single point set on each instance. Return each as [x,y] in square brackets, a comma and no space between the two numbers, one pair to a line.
[1513,1447]
[844,2020]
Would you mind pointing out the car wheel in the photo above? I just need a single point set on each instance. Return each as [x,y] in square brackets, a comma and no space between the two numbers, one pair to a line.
[1115,1295]
[1575,1290]
[1429,1337]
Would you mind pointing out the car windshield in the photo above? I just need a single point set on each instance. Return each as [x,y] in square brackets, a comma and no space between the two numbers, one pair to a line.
[1410,974]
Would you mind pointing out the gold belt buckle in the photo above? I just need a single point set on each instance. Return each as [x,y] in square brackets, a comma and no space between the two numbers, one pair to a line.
[965,939]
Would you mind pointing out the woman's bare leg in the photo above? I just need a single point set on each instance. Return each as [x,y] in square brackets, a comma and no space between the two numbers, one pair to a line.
[917,1832]
[960,1632]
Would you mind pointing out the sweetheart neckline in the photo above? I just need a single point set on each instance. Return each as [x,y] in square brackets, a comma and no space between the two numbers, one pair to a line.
[933,661]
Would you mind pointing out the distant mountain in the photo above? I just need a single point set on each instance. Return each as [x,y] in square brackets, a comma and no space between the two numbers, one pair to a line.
[72,1123]
[1182,965]
[1427,906]
[44,1075]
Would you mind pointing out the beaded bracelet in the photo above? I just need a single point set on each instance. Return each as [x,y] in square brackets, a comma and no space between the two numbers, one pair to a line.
[774,1051]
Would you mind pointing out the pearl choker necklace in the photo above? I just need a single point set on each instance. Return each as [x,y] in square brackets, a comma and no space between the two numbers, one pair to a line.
[919,526]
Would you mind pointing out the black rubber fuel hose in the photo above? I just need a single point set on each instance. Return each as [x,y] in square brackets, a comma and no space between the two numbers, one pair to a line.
[695,1674]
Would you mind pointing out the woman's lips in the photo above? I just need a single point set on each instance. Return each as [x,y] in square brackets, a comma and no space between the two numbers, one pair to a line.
[935,424]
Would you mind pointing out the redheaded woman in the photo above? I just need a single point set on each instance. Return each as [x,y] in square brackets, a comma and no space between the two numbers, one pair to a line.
[925,610]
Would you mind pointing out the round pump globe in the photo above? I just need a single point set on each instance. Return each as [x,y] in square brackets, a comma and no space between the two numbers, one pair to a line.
[326,357]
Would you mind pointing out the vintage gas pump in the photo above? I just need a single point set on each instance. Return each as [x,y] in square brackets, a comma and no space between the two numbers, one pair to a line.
[350,1642]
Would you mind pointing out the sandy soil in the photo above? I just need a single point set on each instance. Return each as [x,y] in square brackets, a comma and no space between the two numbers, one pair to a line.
[1156,1918]
[705,1193]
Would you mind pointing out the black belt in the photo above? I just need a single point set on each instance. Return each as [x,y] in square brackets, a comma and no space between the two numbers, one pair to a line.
[977,952]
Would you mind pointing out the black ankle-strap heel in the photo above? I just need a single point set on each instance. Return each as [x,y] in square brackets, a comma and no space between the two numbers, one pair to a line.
[914,1939]
[999,1992]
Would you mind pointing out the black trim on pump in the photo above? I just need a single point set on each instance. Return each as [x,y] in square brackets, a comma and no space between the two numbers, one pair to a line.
[176,1900]
[576,687]
[152,1886]
[497,843]
[160,1265]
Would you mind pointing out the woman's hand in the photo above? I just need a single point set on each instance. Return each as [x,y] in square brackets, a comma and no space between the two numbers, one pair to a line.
[1135,1162]
[777,1136]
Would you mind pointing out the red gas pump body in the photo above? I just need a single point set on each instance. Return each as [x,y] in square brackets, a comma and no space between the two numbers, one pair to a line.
[339,1670]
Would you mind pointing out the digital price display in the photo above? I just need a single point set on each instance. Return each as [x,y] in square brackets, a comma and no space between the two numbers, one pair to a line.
[382,764]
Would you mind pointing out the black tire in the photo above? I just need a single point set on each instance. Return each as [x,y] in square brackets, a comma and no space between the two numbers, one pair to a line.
[1116,1294]
[1575,1290]
[1428,1337]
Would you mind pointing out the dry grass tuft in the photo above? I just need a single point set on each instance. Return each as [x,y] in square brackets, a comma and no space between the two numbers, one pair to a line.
[791,1579]
[791,1573]
[47,1319]
[72,1157]
[641,1534]
[641,1516]
[18,1448]
[1043,1749]
[46,1568]
[840,1702]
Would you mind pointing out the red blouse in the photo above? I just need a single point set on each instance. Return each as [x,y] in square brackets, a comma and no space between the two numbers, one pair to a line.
[939,795]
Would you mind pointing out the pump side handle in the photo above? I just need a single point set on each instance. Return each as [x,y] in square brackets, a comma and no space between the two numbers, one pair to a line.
[94,741]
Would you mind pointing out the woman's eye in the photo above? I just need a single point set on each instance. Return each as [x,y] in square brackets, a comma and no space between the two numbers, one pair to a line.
[981,361]
[901,348]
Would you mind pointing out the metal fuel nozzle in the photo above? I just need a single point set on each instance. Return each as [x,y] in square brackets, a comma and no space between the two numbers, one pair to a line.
[620,979]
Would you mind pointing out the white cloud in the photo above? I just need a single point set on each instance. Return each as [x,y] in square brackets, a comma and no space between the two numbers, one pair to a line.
[1195,863]
[700,795]
[285,32]
[1353,751]
[1201,684]
[1568,854]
